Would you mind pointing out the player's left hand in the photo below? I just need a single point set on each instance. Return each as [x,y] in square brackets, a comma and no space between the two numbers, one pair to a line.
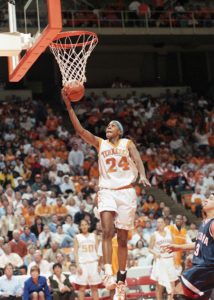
[144,181]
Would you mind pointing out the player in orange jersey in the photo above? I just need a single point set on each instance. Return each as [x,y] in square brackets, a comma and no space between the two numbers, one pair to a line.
[119,166]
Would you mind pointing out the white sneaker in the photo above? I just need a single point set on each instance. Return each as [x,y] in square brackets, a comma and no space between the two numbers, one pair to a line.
[120,292]
[109,282]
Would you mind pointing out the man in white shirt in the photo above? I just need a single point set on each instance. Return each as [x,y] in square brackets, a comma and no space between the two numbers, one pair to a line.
[9,257]
[67,185]
[10,286]
[75,160]
[44,266]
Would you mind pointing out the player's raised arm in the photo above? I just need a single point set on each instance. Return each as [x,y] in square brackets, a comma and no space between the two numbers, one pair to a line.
[175,247]
[87,136]
[135,155]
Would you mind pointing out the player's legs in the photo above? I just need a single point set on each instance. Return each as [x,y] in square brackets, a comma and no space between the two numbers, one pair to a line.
[81,292]
[122,239]
[107,221]
[159,291]
[94,292]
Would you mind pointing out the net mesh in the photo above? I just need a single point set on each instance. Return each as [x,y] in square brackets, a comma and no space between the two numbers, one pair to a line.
[72,53]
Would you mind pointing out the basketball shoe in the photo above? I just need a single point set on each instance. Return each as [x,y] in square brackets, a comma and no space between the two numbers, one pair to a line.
[109,282]
[120,291]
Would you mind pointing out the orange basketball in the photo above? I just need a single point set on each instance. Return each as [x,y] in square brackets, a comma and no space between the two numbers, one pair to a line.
[74,91]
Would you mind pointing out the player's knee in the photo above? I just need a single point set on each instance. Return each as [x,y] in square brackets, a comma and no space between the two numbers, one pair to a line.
[122,241]
[107,233]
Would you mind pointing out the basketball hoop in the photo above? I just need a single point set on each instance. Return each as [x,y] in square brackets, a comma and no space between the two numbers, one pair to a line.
[72,50]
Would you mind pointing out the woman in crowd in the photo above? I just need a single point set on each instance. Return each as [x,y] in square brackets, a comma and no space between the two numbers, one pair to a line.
[9,223]
[163,270]
[60,285]
[36,288]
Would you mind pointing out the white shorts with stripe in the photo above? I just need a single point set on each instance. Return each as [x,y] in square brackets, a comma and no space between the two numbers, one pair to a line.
[123,202]
[90,275]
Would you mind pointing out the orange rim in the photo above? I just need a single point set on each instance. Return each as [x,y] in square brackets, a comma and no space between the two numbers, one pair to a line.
[61,35]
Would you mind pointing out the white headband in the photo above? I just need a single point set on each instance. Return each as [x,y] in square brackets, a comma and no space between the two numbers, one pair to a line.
[119,125]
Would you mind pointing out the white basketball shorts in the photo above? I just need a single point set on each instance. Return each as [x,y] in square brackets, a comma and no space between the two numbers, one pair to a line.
[123,202]
[90,275]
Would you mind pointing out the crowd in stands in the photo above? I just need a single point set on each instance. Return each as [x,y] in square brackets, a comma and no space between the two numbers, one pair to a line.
[49,176]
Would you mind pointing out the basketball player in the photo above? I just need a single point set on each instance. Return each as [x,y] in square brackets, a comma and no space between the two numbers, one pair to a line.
[198,281]
[163,269]
[119,165]
[86,258]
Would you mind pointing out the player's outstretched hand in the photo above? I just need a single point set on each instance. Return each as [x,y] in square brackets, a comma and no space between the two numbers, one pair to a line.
[144,181]
[169,248]
[65,97]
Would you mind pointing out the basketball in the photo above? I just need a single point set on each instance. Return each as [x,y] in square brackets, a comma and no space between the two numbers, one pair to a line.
[74,91]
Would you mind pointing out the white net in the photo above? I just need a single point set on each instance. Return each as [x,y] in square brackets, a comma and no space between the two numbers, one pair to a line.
[71,53]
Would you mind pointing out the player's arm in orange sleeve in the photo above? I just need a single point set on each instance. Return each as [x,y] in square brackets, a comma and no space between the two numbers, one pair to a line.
[135,155]
[87,136]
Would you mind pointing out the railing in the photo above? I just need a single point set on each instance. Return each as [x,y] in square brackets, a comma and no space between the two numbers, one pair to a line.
[125,19]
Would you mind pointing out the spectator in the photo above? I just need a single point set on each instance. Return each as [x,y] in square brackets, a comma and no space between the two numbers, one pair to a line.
[51,253]
[40,263]
[60,285]
[67,186]
[43,210]
[28,237]
[45,237]
[30,255]
[36,287]
[17,245]
[72,206]
[9,222]
[75,160]
[80,214]
[61,238]
[37,228]
[53,224]
[10,286]
[150,206]
[9,257]
[192,232]
[59,209]
[142,255]
[69,227]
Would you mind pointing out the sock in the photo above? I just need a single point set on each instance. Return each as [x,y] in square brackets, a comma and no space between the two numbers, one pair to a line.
[121,276]
[108,269]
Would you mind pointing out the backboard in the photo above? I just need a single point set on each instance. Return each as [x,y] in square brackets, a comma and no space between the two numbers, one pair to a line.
[33,25]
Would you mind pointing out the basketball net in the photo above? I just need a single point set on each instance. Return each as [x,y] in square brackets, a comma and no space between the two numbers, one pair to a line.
[71,51]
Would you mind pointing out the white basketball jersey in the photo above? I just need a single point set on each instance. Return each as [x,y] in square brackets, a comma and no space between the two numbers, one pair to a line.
[161,240]
[87,248]
[116,168]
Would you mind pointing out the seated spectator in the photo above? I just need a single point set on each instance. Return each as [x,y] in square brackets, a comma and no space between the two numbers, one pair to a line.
[41,263]
[28,237]
[72,206]
[64,240]
[142,254]
[45,237]
[17,245]
[10,286]
[60,285]
[30,255]
[1,244]
[36,288]
[192,232]
[43,210]
[62,260]
[67,185]
[9,222]
[75,160]
[9,257]
[196,202]
[53,224]
[37,228]
[69,227]
[60,209]
[150,206]
[51,254]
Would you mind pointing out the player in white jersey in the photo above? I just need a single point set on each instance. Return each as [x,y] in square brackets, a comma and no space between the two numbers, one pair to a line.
[86,258]
[119,165]
[163,269]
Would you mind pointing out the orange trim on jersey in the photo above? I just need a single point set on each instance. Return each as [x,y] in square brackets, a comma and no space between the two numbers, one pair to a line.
[128,143]
[114,145]
[124,187]
[99,141]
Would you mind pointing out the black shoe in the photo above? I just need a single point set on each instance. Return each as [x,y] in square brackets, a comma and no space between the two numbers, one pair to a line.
[121,277]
